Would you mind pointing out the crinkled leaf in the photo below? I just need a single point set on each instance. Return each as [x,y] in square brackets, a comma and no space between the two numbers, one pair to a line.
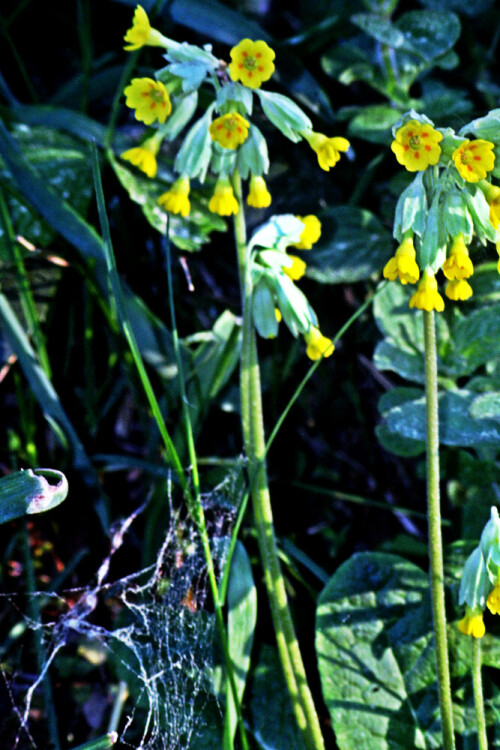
[374,123]
[353,245]
[380,28]
[429,33]
[456,425]
[376,659]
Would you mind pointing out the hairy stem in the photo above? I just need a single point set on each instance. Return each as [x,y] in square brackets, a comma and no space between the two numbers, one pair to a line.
[255,448]
[477,686]
[435,540]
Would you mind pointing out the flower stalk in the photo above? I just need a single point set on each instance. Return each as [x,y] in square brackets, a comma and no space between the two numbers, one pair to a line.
[255,448]
[435,540]
[477,686]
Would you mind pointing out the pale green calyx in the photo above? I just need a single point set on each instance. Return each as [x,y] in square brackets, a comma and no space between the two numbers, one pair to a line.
[490,545]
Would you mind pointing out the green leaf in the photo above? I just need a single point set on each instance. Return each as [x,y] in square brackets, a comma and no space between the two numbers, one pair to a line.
[380,28]
[241,621]
[374,123]
[374,644]
[429,34]
[477,339]
[272,718]
[353,246]
[486,406]
[26,492]
[389,356]
[456,425]
[411,209]
[487,127]
[183,108]
[278,232]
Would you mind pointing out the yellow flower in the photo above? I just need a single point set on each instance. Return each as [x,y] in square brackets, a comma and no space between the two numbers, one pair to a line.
[403,264]
[327,149]
[458,265]
[416,146]
[176,199]
[144,156]
[259,196]
[230,130]
[458,289]
[493,600]
[141,32]
[223,201]
[318,345]
[492,195]
[474,159]
[472,624]
[427,296]
[150,100]
[296,270]
[310,234]
[252,63]
[278,315]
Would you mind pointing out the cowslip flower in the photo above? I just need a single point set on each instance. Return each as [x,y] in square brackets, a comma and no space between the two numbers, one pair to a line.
[144,156]
[427,296]
[150,100]
[493,600]
[473,159]
[458,290]
[259,196]
[296,270]
[230,130]
[472,623]
[310,234]
[176,200]
[252,63]
[318,345]
[223,201]
[403,264]
[327,149]
[458,264]
[141,33]
[416,146]
[492,195]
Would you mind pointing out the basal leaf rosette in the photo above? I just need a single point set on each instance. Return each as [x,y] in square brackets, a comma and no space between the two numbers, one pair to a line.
[416,145]
[251,63]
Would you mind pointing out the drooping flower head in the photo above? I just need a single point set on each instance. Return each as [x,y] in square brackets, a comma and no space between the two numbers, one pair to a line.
[297,270]
[318,345]
[150,100]
[259,196]
[473,159]
[458,290]
[416,146]
[176,200]
[230,130]
[141,33]
[472,623]
[252,63]
[458,264]
[492,195]
[427,296]
[403,264]
[310,234]
[144,156]
[223,201]
[327,149]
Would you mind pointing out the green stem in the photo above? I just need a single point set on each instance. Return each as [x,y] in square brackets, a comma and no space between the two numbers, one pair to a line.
[477,686]
[255,449]
[198,512]
[435,540]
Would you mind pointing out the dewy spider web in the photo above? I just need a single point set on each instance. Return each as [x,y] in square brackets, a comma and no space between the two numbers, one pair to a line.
[164,649]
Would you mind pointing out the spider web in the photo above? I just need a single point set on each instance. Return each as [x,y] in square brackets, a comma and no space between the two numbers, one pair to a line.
[163,644]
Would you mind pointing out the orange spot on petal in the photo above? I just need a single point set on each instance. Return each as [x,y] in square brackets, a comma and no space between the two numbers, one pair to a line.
[417,155]
[476,158]
[427,148]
